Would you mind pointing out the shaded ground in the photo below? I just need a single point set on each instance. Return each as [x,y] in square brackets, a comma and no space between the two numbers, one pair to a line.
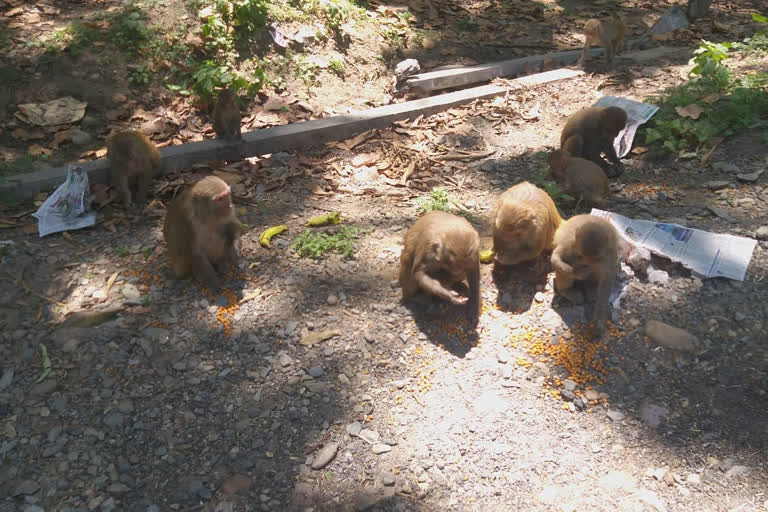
[187,401]
[101,54]
[191,402]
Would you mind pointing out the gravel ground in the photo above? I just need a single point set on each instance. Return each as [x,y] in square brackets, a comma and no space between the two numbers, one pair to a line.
[187,401]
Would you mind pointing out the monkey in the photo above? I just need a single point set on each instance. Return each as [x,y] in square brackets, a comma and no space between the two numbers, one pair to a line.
[590,132]
[609,32]
[133,160]
[202,232]
[524,224]
[226,116]
[586,249]
[440,250]
[580,178]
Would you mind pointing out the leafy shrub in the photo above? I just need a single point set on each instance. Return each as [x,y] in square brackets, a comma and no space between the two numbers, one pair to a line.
[315,245]
[729,104]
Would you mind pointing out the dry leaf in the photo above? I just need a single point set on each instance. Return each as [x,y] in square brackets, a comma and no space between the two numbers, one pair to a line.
[60,137]
[38,150]
[275,103]
[230,178]
[533,113]
[317,337]
[365,159]
[354,141]
[22,134]
[693,111]
[111,281]
[250,296]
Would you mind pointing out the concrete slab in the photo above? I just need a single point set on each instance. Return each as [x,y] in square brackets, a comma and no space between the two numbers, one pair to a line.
[277,138]
[457,77]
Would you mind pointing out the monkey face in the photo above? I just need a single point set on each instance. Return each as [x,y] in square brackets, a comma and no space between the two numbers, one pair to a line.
[557,164]
[516,252]
[222,203]
[513,236]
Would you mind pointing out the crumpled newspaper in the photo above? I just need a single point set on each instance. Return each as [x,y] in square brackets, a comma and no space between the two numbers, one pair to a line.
[67,208]
[59,111]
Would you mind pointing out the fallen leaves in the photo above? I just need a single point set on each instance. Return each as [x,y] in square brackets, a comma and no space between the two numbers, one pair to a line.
[318,337]
[693,111]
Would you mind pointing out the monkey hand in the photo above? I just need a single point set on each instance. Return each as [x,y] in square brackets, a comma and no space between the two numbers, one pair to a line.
[581,272]
[455,298]
[617,170]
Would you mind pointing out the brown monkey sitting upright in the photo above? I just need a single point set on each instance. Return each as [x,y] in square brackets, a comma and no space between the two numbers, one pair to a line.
[590,132]
[524,224]
[586,249]
[580,178]
[202,232]
[134,160]
[608,32]
[226,116]
[440,250]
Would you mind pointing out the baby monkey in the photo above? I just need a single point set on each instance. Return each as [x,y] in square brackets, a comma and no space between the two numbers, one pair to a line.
[580,178]
[226,116]
[134,160]
[202,232]
[608,32]
[524,224]
[586,249]
[590,132]
[441,250]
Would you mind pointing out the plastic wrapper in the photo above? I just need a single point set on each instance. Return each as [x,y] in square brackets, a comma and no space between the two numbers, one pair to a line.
[67,208]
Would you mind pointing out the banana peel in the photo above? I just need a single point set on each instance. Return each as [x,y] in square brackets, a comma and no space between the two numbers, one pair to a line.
[265,240]
[324,219]
[486,256]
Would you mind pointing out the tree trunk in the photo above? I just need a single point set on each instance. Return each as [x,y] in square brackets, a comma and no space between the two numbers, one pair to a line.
[698,8]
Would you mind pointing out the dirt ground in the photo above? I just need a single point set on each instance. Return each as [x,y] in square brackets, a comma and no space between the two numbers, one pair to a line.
[437,33]
[191,401]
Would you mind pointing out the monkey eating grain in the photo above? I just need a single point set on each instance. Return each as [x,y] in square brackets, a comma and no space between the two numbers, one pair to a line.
[441,250]
[202,232]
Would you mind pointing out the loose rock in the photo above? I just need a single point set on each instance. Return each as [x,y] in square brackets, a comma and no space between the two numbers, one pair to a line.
[671,337]
[326,454]
[381,448]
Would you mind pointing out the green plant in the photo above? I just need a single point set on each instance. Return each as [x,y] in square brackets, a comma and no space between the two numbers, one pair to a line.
[217,34]
[212,76]
[128,29]
[122,251]
[337,66]
[466,24]
[335,14]
[728,104]
[248,15]
[558,197]
[758,43]
[709,66]
[315,245]
[140,75]
[17,165]
[438,199]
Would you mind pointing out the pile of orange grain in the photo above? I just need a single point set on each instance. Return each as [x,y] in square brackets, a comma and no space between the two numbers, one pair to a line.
[642,190]
[581,356]
[224,314]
